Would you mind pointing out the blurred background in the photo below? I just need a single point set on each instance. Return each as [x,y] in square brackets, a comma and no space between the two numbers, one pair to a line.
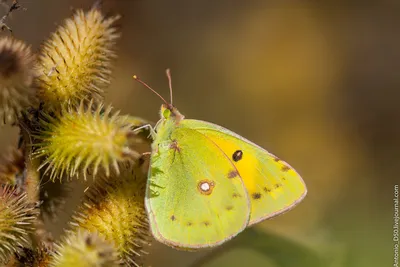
[316,83]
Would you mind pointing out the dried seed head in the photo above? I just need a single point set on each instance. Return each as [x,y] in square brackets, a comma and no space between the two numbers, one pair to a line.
[85,249]
[39,257]
[76,141]
[12,167]
[115,209]
[74,64]
[17,219]
[16,77]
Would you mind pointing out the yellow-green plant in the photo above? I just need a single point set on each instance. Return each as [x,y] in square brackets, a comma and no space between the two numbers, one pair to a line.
[17,218]
[16,78]
[85,250]
[120,198]
[56,99]
[74,64]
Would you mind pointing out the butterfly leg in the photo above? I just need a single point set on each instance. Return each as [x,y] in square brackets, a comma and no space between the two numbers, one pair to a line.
[147,126]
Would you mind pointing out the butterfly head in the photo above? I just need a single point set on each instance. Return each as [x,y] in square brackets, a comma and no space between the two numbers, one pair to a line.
[169,112]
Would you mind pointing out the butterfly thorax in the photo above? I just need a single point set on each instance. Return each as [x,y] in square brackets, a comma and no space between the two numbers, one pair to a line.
[170,119]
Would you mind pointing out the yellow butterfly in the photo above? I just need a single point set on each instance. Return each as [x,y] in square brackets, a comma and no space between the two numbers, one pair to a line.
[206,184]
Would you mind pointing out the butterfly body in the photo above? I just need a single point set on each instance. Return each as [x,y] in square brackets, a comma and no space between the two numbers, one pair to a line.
[206,184]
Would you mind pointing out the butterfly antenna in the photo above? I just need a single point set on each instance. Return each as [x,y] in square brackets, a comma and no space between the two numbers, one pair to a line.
[148,87]
[168,72]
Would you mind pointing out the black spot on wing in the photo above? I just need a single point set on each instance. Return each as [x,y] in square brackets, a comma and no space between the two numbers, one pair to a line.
[237,155]
[267,190]
[285,168]
[233,174]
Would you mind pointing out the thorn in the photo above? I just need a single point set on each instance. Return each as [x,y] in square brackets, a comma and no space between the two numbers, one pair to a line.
[15,5]
[98,4]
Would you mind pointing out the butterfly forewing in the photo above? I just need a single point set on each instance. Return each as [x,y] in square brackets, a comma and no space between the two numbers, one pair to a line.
[195,196]
[273,185]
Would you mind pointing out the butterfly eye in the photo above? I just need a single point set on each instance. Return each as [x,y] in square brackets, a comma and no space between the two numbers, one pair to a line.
[237,155]
[166,113]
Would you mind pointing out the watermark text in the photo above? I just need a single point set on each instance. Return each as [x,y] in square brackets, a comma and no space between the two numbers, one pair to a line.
[396,226]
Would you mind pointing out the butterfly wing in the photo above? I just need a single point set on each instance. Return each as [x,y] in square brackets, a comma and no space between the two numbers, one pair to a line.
[273,185]
[190,199]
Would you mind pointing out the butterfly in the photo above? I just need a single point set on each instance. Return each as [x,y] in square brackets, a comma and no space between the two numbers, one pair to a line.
[206,184]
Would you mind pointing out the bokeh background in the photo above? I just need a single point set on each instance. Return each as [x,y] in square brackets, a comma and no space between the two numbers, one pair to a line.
[315,82]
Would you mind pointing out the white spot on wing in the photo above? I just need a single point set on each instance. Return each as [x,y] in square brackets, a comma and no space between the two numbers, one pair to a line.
[205,186]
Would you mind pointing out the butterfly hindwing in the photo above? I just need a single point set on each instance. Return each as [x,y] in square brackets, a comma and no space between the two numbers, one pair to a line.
[273,185]
[195,197]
